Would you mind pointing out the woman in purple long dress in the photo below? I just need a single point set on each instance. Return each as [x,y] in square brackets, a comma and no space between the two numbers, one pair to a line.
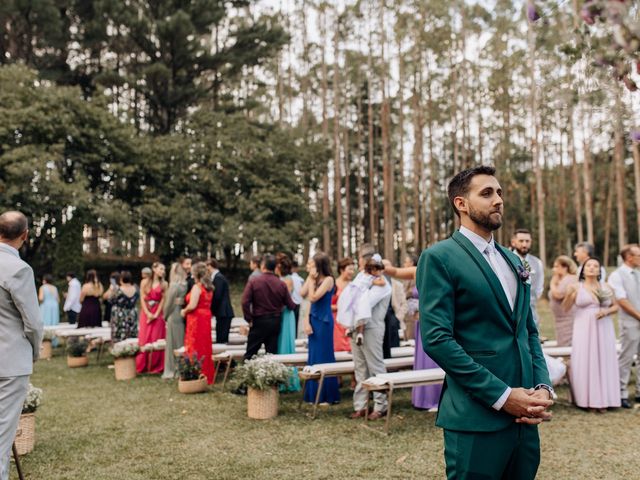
[426,397]
[595,377]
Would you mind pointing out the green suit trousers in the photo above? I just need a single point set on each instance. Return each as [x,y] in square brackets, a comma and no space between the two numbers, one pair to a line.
[509,454]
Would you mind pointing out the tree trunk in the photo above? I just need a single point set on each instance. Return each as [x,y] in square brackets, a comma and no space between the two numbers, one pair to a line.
[337,173]
[636,181]
[575,177]
[535,153]
[608,214]
[586,178]
[403,190]
[618,157]
[326,230]
[373,230]
[433,238]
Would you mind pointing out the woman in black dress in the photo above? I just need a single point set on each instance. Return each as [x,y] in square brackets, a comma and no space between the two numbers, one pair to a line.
[92,290]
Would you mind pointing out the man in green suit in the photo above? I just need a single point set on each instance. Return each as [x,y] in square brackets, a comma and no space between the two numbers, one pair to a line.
[476,324]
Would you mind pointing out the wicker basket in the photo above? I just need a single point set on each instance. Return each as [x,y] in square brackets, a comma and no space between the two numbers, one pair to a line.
[46,350]
[125,368]
[26,433]
[74,362]
[262,404]
[193,386]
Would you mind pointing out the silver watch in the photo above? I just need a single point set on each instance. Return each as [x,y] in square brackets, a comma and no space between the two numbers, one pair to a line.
[548,388]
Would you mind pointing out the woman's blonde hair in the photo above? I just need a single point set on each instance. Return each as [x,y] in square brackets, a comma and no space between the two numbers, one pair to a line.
[177,274]
[567,263]
[200,274]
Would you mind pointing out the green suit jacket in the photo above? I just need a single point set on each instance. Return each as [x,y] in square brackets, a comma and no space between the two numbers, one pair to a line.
[470,331]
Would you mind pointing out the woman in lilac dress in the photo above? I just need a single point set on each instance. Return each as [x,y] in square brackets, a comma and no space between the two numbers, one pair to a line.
[426,397]
[595,377]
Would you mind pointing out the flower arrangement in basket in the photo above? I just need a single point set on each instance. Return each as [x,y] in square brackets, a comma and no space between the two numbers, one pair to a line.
[262,375]
[77,352]
[191,379]
[124,354]
[25,435]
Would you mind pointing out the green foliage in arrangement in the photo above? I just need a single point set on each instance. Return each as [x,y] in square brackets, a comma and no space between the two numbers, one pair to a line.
[189,367]
[124,349]
[77,347]
[33,400]
[261,373]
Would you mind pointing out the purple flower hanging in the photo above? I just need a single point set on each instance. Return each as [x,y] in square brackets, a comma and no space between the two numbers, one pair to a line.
[532,12]
[524,272]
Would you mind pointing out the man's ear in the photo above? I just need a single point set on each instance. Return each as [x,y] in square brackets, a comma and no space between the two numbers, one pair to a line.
[460,203]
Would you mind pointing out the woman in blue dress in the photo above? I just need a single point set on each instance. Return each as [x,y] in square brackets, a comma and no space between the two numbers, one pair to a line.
[49,301]
[287,337]
[318,288]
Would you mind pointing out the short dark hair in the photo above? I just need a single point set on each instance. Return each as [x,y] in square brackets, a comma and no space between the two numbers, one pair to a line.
[70,274]
[521,230]
[212,262]
[269,262]
[257,259]
[125,276]
[294,264]
[344,263]
[12,225]
[414,258]
[47,277]
[459,185]
[591,250]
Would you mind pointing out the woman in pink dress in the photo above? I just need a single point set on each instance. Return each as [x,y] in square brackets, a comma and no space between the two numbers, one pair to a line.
[564,274]
[595,377]
[152,326]
[346,271]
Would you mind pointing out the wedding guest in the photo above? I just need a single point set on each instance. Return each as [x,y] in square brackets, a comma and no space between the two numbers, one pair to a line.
[255,266]
[20,330]
[175,323]
[595,377]
[72,304]
[522,247]
[90,313]
[368,357]
[287,337]
[318,288]
[114,282]
[221,307]
[123,299]
[49,301]
[151,325]
[346,272]
[564,274]
[298,281]
[263,299]
[145,274]
[584,251]
[394,320]
[197,313]
[411,293]
[426,397]
[625,282]
[186,263]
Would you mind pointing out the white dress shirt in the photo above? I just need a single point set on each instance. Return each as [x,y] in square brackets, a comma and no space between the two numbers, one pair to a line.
[504,273]
[298,281]
[615,281]
[72,302]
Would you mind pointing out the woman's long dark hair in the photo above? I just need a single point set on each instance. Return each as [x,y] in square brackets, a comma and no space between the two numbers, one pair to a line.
[581,276]
[323,264]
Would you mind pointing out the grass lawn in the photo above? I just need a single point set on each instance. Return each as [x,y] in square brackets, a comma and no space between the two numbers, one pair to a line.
[92,427]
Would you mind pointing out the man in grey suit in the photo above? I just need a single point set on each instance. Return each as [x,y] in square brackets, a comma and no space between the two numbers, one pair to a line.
[20,330]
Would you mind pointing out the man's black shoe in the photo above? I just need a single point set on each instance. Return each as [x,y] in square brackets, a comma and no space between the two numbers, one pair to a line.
[624,403]
[240,391]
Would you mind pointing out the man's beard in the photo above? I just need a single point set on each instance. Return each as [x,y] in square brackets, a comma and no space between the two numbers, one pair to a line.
[523,251]
[484,219]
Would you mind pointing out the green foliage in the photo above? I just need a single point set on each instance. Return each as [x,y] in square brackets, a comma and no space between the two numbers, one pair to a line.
[77,346]
[189,367]
[67,256]
[261,372]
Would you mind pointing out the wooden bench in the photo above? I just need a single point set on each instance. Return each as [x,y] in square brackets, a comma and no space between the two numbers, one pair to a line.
[388,382]
[326,370]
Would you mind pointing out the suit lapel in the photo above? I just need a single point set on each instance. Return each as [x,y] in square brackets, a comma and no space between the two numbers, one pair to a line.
[520,292]
[484,266]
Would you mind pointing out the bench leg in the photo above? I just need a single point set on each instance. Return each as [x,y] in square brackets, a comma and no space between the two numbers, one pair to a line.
[16,458]
[226,374]
[315,405]
[389,405]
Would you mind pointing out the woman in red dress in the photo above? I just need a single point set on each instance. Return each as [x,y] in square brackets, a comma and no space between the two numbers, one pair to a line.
[197,338]
[152,326]
[346,271]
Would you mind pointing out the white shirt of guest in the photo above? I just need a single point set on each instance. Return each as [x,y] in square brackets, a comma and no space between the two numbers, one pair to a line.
[72,302]
[615,281]
[298,281]
[507,279]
